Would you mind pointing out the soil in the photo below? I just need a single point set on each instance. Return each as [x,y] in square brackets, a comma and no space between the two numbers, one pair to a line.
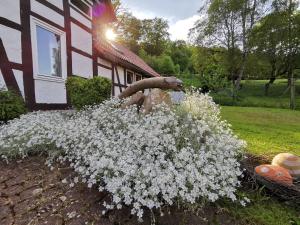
[32,194]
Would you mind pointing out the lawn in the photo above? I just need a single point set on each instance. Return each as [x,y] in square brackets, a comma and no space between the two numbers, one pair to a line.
[267,131]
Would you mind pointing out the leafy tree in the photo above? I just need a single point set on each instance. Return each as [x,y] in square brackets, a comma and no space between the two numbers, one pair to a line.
[181,54]
[129,31]
[154,35]
[227,24]
[277,37]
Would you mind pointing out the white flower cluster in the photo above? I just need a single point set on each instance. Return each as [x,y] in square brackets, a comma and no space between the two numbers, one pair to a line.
[142,160]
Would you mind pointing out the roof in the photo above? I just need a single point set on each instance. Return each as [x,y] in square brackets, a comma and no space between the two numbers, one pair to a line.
[118,53]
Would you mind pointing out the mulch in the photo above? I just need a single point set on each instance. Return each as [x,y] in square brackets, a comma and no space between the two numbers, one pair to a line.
[32,194]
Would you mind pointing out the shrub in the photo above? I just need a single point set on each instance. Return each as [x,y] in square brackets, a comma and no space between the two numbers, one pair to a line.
[179,155]
[84,92]
[11,105]
[214,78]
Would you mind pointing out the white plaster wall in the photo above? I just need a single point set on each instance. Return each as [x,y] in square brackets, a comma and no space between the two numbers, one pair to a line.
[81,39]
[10,9]
[77,16]
[121,74]
[82,66]
[50,92]
[12,43]
[2,82]
[57,3]
[103,72]
[117,91]
[104,62]
[19,78]
[47,13]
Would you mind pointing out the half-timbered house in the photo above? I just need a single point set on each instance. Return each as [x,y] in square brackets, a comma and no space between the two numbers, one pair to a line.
[42,42]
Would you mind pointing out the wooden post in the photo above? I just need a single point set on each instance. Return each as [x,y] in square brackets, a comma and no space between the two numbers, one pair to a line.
[293,97]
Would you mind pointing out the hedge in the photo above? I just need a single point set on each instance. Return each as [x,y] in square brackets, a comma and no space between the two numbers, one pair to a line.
[12,105]
[83,92]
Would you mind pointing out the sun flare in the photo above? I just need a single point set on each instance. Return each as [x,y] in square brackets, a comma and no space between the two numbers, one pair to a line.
[110,35]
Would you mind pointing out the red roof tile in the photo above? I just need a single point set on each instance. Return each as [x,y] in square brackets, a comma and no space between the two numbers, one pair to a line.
[118,52]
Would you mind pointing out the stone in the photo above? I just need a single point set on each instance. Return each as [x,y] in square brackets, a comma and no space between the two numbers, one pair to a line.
[63,198]
[37,191]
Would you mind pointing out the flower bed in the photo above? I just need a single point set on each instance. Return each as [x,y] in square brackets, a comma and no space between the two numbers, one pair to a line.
[173,155]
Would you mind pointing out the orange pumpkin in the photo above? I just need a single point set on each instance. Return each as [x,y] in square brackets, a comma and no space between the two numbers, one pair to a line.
[275,173]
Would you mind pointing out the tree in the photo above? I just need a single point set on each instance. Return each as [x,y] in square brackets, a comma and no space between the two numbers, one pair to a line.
[155,35]
[219,27]
[228,23]
[277,36]
[267,40]
[129,31]
[249,13]
[181,54]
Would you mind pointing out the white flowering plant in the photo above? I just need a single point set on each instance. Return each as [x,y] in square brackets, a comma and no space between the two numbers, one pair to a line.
[180,154]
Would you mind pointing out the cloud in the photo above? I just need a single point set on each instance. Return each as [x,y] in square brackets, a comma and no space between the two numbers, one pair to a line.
[180,29]
[171,9]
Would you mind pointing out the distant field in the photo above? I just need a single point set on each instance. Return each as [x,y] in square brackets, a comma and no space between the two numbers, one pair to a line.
[267,131]
[252,94]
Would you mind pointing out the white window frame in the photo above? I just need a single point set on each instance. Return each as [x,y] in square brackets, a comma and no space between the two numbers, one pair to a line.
[34,23]
[133,76]
[91,14]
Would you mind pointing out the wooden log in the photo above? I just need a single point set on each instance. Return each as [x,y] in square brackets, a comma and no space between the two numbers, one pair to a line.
[136,99]
[158,82]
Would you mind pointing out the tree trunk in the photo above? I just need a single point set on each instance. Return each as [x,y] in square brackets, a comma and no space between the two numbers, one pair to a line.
[271,81]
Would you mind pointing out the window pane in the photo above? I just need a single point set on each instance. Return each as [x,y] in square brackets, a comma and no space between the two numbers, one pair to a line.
[138,77]
[49,52]
[129,77]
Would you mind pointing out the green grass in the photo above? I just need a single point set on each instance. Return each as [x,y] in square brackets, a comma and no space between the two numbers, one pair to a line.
[252,94]
[263,210]
[267,131]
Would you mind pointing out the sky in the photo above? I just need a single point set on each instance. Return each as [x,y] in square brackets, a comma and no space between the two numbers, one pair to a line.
[181,14]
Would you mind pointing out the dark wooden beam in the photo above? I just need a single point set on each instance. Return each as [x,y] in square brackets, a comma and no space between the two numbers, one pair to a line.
[10,24]
[68,42]
[29,88]
[118,78]
[81,52]
[7,72]
[51,6]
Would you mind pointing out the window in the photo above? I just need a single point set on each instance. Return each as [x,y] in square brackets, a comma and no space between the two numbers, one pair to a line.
[83,7]
[129,77]
[138,77]
[48,52]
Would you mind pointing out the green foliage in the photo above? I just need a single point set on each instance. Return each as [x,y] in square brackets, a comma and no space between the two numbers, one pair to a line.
[11,105]
[154,36]
[84,92]
[181,54]
[163,64]
[129,31]
[214,78]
